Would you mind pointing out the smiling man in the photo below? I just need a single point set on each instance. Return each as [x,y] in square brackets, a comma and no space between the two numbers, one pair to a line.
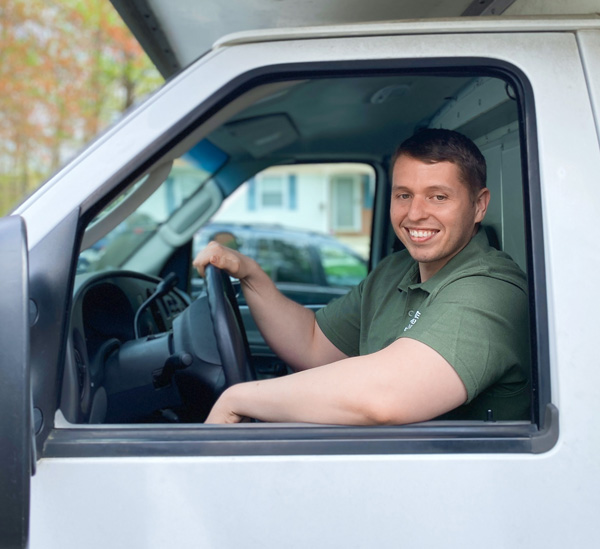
[439,329]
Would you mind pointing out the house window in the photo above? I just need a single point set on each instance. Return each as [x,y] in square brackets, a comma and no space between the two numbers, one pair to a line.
[272,192]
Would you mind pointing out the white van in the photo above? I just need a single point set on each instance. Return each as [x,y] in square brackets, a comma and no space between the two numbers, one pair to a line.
[107,360]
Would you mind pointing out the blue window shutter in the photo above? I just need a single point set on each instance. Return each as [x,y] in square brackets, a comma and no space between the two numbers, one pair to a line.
[252,194]
[292,191]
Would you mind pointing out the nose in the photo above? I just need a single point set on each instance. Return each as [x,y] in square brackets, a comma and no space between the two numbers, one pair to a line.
[417,209]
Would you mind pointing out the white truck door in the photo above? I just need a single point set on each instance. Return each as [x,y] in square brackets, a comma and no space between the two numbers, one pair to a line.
[298,486]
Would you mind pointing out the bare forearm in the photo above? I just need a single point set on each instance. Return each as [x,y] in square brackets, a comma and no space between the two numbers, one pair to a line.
[302,397]
[288,328]
[377,389]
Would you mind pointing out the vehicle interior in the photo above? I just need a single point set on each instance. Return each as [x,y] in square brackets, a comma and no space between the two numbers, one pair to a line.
[141,349]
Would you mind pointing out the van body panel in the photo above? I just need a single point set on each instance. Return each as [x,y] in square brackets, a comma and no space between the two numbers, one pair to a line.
[341,501]
[499,500]
[589,45]
[462,25]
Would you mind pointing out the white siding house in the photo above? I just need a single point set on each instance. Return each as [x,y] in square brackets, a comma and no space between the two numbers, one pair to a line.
[335,199]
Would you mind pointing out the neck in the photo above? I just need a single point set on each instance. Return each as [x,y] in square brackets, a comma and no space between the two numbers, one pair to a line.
[427,270]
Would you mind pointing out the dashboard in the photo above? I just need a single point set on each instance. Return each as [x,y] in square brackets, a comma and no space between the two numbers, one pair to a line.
[106,306]
[124,364]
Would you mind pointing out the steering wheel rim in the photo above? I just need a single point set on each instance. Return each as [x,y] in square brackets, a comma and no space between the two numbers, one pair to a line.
[228,327]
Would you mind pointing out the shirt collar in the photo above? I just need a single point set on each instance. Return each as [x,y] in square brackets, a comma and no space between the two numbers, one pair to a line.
[477,245]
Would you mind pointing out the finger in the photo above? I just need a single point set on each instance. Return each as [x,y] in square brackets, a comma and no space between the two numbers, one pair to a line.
[200,263]
[205,256]
[227,262]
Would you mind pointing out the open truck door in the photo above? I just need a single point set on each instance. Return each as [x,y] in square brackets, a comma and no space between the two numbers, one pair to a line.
[15,394]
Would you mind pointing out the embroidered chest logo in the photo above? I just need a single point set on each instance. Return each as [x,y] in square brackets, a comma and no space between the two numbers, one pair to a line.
[413,321]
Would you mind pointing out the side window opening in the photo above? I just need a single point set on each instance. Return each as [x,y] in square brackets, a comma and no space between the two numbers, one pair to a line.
[309,224]
[287,218]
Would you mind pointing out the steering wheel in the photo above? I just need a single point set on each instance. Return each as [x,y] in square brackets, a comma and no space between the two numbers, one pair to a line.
[229,329]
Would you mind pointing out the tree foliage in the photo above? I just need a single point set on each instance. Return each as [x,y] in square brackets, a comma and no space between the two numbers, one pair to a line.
[67,69]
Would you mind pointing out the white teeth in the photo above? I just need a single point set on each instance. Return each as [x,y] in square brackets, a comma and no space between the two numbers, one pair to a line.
[421,234]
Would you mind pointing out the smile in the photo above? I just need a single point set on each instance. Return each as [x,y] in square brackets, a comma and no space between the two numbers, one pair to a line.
[421,234]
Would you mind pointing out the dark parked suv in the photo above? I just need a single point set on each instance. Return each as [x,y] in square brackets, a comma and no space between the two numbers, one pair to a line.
[310,268]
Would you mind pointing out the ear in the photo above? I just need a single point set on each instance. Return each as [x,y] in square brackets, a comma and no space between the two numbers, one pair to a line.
[481,204]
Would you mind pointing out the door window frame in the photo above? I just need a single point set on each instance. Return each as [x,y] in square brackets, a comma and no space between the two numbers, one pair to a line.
[432,437]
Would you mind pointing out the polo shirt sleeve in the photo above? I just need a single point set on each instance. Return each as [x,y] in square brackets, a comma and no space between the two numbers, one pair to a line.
[340,321]
[479,325]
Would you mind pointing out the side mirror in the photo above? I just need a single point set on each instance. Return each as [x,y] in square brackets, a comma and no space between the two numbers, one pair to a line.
[16,461]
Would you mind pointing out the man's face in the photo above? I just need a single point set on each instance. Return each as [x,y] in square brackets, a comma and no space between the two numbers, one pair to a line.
[433,212]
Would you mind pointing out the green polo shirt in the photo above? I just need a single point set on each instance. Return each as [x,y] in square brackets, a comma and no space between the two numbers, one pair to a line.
[473,312]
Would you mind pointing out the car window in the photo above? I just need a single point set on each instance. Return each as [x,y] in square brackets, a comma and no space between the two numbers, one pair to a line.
[284,261]
[308,227]
[341,267]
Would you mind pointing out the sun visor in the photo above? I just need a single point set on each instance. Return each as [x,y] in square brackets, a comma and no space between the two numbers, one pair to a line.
[263,135]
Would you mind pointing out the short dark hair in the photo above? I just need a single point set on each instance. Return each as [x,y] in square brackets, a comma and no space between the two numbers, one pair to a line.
[438,145]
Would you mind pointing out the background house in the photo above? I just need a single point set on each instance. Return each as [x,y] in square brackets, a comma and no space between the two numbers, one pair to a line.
[335,199]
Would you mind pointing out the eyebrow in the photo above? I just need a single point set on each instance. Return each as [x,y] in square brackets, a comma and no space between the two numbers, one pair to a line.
[432,188]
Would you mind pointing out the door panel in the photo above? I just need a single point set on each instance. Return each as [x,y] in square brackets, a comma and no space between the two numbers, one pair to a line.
[165,500]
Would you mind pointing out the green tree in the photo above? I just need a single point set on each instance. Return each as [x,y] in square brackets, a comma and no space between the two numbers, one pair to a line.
[67,69]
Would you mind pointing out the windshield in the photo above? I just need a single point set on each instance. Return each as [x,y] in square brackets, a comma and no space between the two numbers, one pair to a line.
[187,176]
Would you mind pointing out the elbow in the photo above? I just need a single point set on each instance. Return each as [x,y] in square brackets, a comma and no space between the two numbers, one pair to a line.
[380,413]
[395,411]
